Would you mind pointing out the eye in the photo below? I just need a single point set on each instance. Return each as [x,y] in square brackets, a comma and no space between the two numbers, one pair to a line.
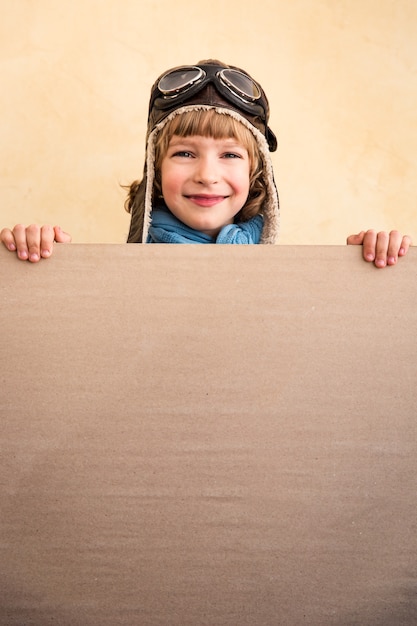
[182,153]
[232,155]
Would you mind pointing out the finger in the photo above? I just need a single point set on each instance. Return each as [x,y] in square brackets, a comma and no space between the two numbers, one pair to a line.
[6,237]
[46,244]
[405,244]
[33,240]
[369,245]
[61,236]
[19,234]
[381,249]
[394,245]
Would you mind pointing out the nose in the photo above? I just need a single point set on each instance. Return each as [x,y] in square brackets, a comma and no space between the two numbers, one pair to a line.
[206,171]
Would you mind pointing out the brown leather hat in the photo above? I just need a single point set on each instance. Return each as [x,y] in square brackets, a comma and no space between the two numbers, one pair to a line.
[211,83]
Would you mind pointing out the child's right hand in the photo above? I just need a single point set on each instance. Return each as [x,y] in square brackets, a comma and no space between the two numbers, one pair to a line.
[32,243]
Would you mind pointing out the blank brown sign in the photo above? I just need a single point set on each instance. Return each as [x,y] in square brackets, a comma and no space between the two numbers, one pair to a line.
[208,435]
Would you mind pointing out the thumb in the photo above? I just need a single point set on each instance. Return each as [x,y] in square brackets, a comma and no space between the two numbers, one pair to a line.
[356,240]
[61,236]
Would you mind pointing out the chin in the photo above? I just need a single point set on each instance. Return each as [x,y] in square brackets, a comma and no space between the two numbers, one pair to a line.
[207,228]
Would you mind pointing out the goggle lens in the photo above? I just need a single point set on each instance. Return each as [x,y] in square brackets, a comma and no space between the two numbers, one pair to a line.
[179,80]
[240,84]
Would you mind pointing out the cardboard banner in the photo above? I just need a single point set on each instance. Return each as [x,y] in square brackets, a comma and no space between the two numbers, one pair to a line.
[208,435]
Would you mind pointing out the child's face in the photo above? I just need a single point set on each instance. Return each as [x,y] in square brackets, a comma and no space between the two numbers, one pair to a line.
[205,181]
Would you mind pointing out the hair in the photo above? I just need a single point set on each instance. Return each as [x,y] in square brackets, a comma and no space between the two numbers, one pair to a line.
[210,123]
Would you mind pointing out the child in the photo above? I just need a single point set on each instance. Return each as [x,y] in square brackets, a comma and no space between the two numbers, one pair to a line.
[208,175]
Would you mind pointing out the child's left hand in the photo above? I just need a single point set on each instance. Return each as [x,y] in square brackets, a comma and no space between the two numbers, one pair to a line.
[381,248]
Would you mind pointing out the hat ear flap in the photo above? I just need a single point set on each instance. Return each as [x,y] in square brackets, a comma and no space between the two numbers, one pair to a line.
[271,139]
[136,207]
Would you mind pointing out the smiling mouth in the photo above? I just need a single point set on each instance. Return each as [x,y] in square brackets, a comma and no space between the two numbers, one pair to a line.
[205,201]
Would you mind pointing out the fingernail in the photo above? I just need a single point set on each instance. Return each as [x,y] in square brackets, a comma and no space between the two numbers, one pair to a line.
[23,255]
[46,253]
[391,260]
[380,263]
[12,247]
[34,257]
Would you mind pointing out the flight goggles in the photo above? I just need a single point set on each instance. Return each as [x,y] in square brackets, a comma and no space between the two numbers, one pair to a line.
[238,88]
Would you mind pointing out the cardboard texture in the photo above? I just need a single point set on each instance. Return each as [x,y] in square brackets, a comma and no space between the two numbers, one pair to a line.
[208,435]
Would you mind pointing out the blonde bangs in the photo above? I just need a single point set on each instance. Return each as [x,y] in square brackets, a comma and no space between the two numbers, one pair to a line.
[207,123]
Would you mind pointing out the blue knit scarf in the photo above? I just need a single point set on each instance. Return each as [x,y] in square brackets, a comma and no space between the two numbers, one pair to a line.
[166,228]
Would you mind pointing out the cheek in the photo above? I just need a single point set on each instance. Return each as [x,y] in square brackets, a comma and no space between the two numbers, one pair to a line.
[171,187]
[169,181]
[243,183]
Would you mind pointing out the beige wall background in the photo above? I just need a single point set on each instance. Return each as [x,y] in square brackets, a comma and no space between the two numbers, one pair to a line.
[340,76]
